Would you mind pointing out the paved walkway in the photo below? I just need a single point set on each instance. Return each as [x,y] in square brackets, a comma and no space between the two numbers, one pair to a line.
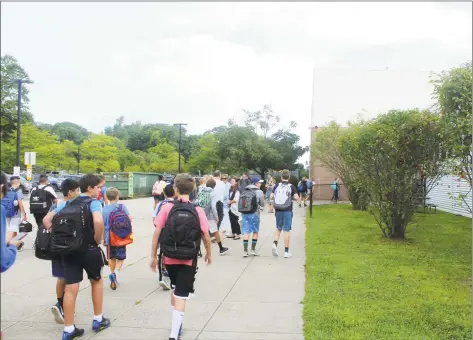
[236,298]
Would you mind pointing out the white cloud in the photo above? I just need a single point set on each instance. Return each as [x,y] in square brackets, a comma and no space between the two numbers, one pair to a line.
[201,63]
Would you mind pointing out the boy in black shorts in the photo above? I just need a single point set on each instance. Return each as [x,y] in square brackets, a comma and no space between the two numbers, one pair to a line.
[70,190]
[92,261]
[194,227]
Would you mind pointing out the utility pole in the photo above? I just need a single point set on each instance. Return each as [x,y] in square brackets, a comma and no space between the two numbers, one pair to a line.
[78,158]
[180,141]
[19,83]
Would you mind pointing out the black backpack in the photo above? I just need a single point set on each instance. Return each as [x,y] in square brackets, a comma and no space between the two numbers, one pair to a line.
[39,203]
[72,228]
[248,203]
[42,244]
[181,236]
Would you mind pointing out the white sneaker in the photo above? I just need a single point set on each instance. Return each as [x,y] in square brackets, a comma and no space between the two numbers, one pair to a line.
[287,255]
[165,283]
[275,250]
[254,253]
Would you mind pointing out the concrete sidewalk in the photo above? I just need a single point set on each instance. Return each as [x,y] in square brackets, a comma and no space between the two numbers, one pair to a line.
[236,298]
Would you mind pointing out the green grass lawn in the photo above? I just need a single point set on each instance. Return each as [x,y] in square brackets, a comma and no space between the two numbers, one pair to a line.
[360,285]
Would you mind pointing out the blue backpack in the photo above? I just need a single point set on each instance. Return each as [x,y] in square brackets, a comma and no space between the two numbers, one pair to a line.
[121,231]
[300,187]
[8,203]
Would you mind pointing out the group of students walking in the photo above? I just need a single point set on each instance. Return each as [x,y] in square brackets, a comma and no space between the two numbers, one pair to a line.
[182,224]
[72,231]
[70,234]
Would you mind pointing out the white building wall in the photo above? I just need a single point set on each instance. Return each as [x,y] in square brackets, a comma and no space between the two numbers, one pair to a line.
[341,94]
[439,195]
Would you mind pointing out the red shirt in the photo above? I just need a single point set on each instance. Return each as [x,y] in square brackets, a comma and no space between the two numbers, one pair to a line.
[160,221]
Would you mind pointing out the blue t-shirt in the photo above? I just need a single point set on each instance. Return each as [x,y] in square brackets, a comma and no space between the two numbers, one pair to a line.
[95,206]
[107,211]
[104,191]
[19,195]
[8,252]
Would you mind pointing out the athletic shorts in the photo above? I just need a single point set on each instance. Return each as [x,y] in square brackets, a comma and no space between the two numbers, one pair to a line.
[250,223]
[92,261]
[213,226]
[182,280]
[158,197]
[13,224]
[57,269]
[303,194]
[117,253]
[284,220]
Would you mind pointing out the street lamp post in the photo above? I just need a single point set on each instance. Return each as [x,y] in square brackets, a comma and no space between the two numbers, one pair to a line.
[78,158]
[19,82]
[180,140]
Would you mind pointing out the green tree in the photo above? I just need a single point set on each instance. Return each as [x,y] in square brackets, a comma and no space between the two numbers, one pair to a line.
[70,131]
[99,154]
[393,152]
[49,153]
[327,148]
[206,158]
[452,89]
[11,70]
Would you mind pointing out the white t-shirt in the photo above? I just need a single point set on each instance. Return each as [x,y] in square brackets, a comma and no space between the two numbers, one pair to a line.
[48,189]
[234,206]
[219,190]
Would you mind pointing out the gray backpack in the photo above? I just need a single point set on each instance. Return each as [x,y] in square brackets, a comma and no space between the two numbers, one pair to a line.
[283,196]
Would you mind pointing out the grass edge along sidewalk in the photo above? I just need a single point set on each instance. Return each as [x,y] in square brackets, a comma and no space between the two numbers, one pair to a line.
[360,285]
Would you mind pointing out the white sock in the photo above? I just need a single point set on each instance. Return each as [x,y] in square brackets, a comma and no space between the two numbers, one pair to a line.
[69,329]
[98,317]
[177,318]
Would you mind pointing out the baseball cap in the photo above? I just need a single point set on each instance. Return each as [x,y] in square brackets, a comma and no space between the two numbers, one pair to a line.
[255,180]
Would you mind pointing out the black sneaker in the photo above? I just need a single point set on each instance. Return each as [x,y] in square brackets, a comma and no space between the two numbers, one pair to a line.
[77,333]
[224,250]
[98,326]
[58,313]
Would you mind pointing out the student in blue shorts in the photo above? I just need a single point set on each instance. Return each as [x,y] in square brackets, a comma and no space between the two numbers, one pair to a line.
[116,254]
[251,221]
[92,261]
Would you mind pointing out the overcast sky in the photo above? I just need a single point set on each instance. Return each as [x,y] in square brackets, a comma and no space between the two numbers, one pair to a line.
[202,63]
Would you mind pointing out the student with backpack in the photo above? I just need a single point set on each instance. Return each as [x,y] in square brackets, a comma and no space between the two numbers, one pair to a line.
[302,189]
[180,228]
[283,195]
[77,229]
[250,203]
[14,209]
[42,198]
[70,189]
[118,233]
[169,195]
